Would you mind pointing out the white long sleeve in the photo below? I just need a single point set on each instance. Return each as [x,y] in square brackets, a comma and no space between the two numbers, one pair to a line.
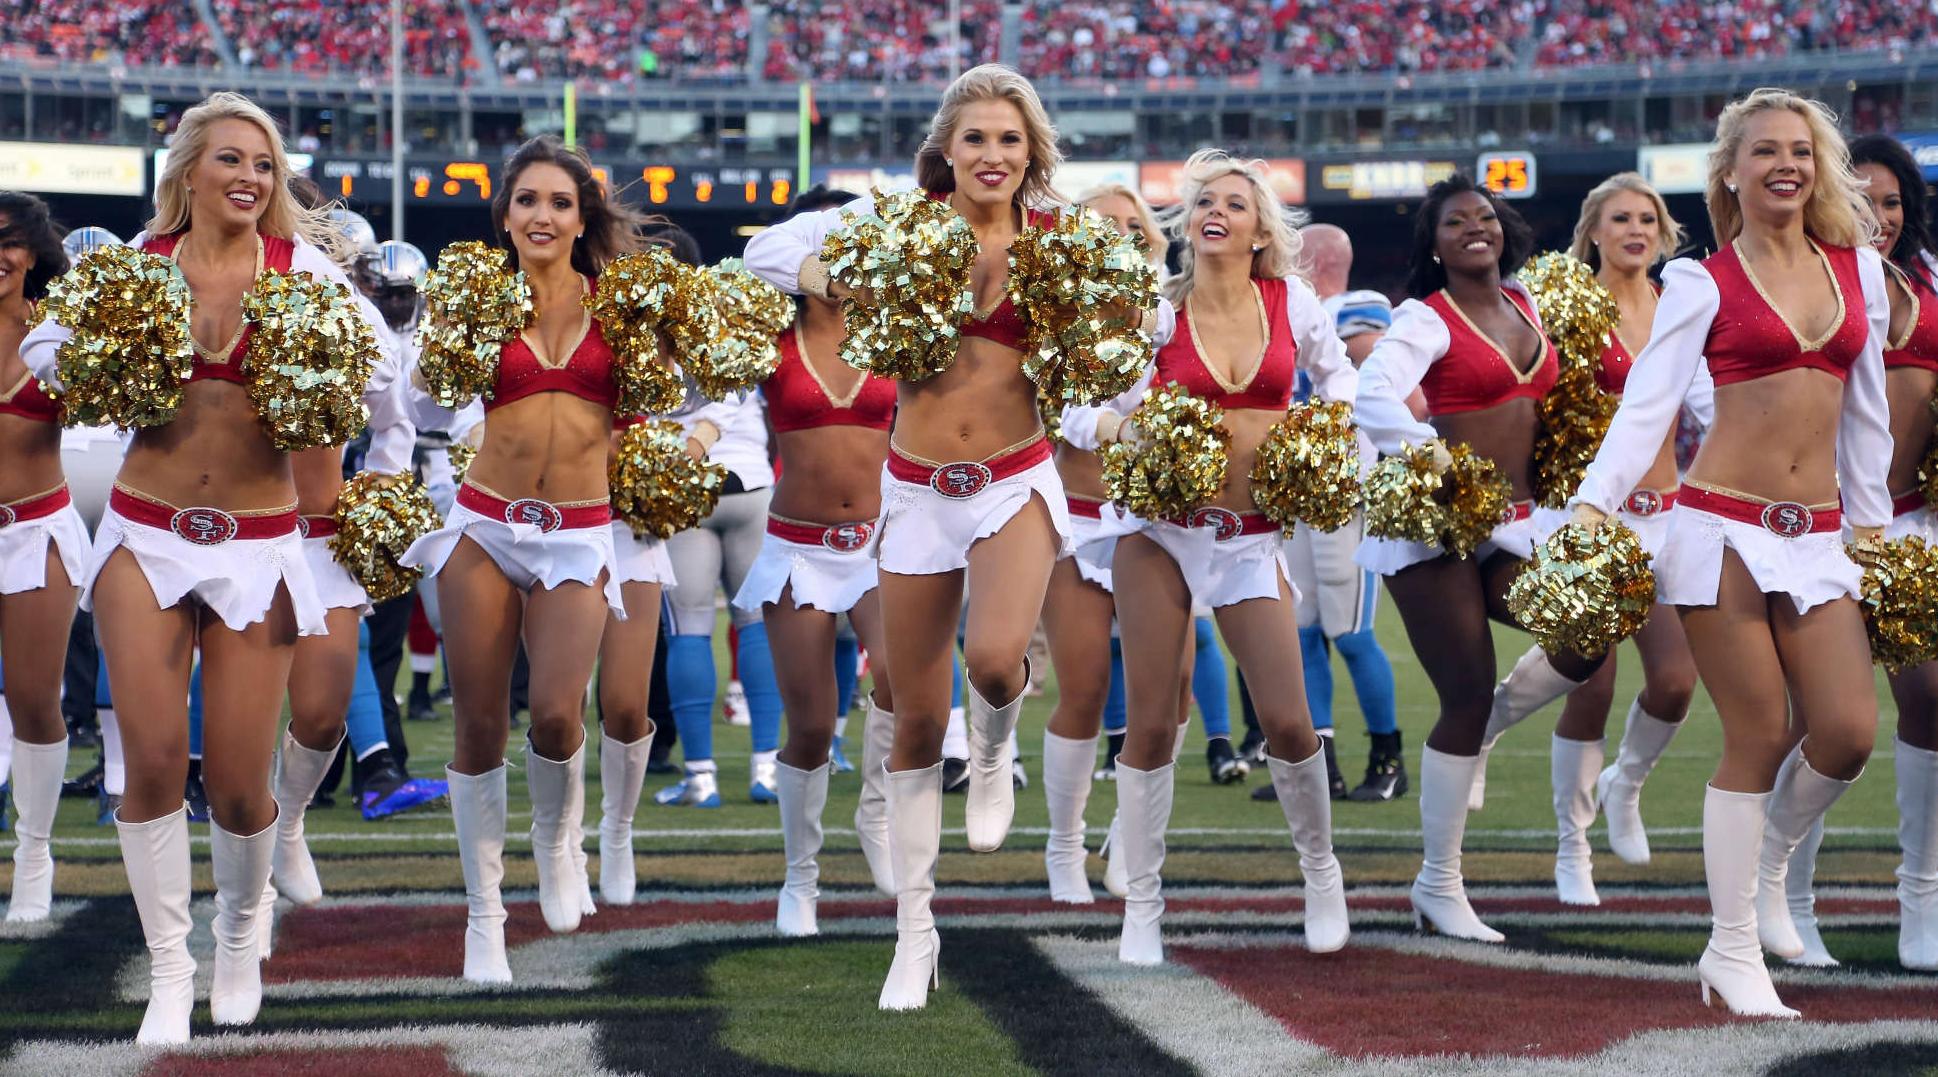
[1657,385]
[1078,425]
[1864,428]
[776,253]
[393,435]
[1397,365]
[1321,353]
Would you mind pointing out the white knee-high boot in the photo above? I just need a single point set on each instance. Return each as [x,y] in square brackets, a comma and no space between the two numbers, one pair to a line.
[914,843]
[1918,872]
[622,770]
[37,773]
[1143,814]
[1573,768]
[1307,804]
[871,811]
[1619,788]
[1732,965]
[1533,683]
[299,771]
[156,856]
[1439,894]
[803,793]
[1800,894]
[1066,788]
[478,809]
[241,871]
[992,789]
[1797,803]
[558,813]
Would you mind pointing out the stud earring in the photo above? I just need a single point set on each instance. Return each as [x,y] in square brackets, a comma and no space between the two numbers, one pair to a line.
[1436,259]
[1731,186]
[948,162]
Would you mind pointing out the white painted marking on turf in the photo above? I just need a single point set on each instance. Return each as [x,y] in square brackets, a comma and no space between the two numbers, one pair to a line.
[477,1050]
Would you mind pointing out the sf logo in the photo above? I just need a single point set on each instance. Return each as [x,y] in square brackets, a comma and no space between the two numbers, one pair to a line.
[535,513]
[1787,518]
[960,480]
[204,527]
[848,537]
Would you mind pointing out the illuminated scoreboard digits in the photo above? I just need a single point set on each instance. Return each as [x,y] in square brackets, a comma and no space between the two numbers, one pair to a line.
[1510,175]
[736,186]
[453,182]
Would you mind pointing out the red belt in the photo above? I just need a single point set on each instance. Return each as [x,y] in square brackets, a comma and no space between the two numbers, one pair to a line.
[841,538]
[200,524]
[1087,507]
[1516,511]
[35,507]
[316,526]
[1788,519]
[531,511]
[1228,524]
[1646,503]
[1907,504]
[967,478]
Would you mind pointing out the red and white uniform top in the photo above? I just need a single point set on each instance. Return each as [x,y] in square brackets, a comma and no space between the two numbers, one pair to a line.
[799,399]
[1714,318]
[1917,346]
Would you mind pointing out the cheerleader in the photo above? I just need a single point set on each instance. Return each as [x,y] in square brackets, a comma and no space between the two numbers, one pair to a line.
[1469,338]
[199,546]
[43,545]
[1077,618]
[527,551]
[831,428]
[1895,188]
[1245,326]
[969,486]
[1790,316]
[1624,231]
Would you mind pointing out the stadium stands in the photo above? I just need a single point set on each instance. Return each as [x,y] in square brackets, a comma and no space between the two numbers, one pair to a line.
[154,32]
[351,36]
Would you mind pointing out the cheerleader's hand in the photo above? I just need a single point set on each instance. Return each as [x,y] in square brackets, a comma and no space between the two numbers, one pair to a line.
[1588,516]
[1119,430]
[1442,459]
[1866,536]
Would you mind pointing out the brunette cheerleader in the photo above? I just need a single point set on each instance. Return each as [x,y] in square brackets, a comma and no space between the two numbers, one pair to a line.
[1790,317]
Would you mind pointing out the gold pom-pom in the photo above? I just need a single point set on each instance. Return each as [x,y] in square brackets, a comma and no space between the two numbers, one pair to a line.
[1577,311]
[641,300]
[1307,468]
[473,305]
[310,356]
[1458,510]
[1080,285]
[1586,590]
[1900,599]
[1928,469]
[751,315]
[460,455]
[377,518]
[913,255]
[129,359]
[1575,416]
[1180,461]
[657,489]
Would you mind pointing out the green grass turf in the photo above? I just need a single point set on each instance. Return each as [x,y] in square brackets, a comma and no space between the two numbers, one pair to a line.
[1518,817]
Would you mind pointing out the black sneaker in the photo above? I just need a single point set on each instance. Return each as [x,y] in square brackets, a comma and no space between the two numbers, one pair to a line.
[82,735]
[955,775]
[197,797]
[1385,770]
[85,784]
[1335,781]
[1252,748]
[1114,743]
[1226,767]
[1268,791]
[420,710]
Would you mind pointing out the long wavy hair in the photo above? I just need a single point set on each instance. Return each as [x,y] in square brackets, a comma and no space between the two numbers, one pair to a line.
[1277,258]
[992,82]
[1914,239]
[1669,236]
[1835,213]
[281,216]
[29,224]
[1156,242]
[1426,276]
[611,228]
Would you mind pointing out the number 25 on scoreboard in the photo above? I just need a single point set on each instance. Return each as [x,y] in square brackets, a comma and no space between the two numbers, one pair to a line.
[1510,175]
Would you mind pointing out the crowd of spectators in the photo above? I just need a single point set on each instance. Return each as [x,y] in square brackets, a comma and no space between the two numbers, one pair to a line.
[911,40]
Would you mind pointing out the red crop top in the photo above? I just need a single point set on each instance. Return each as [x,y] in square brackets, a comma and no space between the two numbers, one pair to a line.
[1477,373]
[1919,346]
[1611,374]
[225,364]
[1748,339]
[29,401]
[1269,386]
[1003,325]
[586,372]
[797,398]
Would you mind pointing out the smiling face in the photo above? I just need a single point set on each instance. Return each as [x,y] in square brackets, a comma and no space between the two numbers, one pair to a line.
[989,151]
[1468,237]
[1225,219]
[231,183]
[1629,235]
[1887,203]
[16,259]
[543,217]
[1775,167]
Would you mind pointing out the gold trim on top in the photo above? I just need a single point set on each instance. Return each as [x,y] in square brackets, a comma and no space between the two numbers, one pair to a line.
[1911,323]
[153,500]
[219,356]
[1258,364]
[585,330]
[997,455]
[1522,377]
[839,403]
[1022,222]
[1836,286]
[8,396]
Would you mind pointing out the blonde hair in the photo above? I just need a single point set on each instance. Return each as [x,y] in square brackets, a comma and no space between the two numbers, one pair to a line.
[1157,242]
[1669,235]
[282,216]
[992,82]
[1836,212]
[1279,257]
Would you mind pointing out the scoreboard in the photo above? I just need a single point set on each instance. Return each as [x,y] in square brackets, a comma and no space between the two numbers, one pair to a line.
[452,181]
